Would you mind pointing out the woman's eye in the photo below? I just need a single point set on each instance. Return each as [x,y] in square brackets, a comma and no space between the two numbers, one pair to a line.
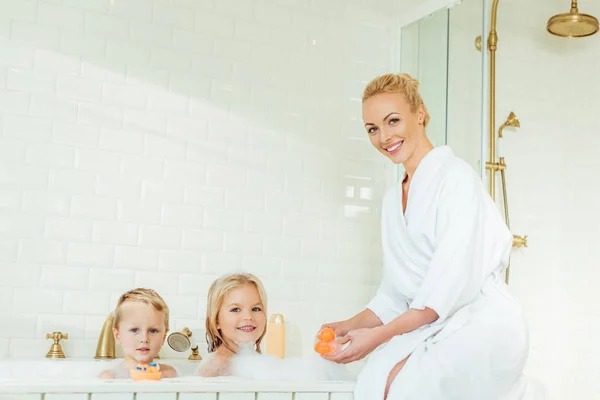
[236,309]
[257,309]
[372,131]
[394,121]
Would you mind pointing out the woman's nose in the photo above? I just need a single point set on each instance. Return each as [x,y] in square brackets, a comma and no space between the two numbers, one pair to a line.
[384,136]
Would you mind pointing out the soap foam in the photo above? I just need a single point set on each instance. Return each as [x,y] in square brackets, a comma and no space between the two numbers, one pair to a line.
[250,364]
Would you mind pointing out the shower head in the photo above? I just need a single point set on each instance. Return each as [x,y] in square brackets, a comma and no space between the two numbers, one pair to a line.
[512,121]
[572,24]
[180,341]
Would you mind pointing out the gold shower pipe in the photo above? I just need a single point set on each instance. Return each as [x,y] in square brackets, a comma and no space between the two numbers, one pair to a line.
[492,44]
[492,165]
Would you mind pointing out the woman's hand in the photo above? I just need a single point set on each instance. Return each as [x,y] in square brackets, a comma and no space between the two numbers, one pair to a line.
[364,319]
[341,328]
[362,343]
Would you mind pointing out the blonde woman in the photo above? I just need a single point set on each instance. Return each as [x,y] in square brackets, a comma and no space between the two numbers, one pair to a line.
[235,318]
[442,324]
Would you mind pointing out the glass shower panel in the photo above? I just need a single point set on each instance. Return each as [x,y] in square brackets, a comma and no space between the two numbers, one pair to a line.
[424,55]
[464,125]
[440,51]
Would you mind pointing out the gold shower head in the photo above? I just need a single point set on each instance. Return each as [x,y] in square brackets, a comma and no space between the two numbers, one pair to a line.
[512,120]
[572,24]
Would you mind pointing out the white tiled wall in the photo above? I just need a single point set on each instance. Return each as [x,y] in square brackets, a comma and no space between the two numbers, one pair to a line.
[161,143]
[552,85]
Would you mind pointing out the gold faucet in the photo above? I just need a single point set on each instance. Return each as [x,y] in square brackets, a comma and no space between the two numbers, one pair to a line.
[105,350]
[195,356]
[56,350]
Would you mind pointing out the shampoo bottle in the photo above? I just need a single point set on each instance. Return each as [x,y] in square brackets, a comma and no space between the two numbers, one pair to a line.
[276,336]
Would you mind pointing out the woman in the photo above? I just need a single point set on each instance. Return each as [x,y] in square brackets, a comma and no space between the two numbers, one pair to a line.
[442,324]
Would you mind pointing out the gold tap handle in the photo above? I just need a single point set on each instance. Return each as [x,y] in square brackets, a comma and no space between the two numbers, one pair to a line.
[519,241]
[56,336]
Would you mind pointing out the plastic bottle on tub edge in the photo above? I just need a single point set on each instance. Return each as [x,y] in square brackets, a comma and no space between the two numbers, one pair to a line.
[276,336]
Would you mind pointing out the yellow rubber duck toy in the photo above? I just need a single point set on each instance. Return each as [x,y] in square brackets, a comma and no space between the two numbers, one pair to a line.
[146,372]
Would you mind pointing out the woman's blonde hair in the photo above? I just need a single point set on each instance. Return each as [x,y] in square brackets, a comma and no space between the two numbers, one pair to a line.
[400,83]
[147,296]
[216,295]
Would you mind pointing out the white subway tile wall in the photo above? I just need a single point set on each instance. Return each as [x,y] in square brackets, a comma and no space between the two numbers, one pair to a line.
[161,144]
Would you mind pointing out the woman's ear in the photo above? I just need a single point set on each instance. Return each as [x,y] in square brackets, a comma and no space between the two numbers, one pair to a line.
[421,114]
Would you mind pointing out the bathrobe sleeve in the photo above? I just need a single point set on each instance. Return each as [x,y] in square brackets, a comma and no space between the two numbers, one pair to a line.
[470,238]
[387,305]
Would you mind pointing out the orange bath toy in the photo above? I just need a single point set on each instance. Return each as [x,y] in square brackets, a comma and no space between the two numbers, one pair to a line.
[326,343]
[326,335]
[146,372]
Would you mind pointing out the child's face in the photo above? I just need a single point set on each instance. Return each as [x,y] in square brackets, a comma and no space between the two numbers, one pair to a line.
[141,331]
[241,318]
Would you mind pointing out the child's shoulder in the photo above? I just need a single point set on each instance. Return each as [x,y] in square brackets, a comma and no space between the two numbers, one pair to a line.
[214,364]
[168,371]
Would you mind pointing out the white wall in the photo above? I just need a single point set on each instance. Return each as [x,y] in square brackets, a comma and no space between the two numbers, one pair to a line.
[162,143]
[552,85]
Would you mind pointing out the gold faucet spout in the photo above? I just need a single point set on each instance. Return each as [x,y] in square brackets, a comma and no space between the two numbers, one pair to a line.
[105,350]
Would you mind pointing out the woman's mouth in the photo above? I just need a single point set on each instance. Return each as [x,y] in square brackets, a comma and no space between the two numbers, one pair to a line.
[247,328]
[394,148]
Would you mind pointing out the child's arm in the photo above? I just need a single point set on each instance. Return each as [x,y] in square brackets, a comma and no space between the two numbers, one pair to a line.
[108,374]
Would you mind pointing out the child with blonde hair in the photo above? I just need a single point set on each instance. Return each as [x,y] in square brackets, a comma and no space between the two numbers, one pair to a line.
[141,323]
[236,323]
[236,319]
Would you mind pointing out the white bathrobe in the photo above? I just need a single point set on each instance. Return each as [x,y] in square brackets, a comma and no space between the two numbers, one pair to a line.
[448,252]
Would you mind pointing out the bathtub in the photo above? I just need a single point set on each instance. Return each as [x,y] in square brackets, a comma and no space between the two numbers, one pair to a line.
[73,379]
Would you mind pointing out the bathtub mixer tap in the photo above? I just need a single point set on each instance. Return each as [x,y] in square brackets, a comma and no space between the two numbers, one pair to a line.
[56,350]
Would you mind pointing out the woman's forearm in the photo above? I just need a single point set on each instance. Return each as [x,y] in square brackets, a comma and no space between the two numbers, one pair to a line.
[365,319]
[407,322]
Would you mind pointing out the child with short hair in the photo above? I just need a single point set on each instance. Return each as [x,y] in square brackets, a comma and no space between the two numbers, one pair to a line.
[236,318]
[141,323]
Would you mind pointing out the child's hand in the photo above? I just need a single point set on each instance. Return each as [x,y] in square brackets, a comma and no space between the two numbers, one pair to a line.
[107,375]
